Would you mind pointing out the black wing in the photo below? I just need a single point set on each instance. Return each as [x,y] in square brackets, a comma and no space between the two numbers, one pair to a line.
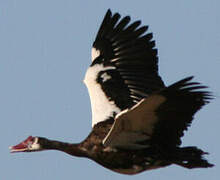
[183,100]
[159,119]
[126,47]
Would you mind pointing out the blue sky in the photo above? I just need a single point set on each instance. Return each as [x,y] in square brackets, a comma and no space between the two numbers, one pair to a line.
[45,49]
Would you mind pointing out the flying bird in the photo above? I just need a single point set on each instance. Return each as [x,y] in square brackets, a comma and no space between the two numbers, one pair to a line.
[137,121]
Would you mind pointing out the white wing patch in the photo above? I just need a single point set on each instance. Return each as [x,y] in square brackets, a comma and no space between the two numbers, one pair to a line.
[105,77]
[95,53]
[102,107]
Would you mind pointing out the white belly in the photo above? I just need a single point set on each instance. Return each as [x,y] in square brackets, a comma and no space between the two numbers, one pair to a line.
[102,108]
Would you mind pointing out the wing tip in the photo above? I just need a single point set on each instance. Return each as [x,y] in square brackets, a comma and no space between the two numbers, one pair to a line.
[190,88]
[109,12]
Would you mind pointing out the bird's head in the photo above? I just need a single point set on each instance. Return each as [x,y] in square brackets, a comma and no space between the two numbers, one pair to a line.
[28,145]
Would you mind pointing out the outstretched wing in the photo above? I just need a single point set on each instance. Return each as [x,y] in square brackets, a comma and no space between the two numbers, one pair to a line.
[159,119]
[124,67]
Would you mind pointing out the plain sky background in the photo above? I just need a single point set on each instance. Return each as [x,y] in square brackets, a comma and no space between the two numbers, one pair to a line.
[45,49]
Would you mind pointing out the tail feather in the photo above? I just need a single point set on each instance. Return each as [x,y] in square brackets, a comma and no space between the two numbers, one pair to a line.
[191,157]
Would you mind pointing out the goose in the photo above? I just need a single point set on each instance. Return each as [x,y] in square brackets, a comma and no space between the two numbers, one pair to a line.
[137,121]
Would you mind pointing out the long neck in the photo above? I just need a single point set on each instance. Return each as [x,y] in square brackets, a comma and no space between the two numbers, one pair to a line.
[72,149]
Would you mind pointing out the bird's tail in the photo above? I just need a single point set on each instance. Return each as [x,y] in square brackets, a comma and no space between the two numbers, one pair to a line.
[190,157]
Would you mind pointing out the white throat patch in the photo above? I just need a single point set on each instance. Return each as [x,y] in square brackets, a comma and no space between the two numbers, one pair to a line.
[35,146]
[102,108]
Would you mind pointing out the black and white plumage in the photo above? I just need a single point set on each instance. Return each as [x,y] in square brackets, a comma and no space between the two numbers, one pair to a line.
[137,122]
[124,66]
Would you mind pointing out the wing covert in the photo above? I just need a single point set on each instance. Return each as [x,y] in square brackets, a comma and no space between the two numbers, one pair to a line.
[159,119]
